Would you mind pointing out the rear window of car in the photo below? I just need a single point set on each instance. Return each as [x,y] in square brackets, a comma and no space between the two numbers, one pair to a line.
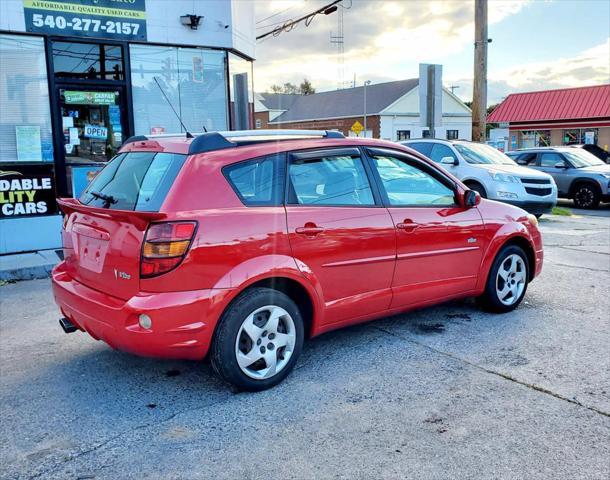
[257,182]
[422,147]
[134,181]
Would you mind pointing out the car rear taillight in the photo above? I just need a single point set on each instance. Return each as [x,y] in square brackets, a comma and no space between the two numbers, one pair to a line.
[165,246]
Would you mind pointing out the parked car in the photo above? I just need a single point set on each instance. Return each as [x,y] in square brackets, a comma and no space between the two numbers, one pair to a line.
[578,174]
[596,150]
[492,174]
[237,247]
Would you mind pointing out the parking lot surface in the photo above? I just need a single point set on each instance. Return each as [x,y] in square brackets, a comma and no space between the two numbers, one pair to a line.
[445,392]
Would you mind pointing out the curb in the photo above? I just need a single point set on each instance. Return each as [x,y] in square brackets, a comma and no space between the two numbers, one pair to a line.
[28,266]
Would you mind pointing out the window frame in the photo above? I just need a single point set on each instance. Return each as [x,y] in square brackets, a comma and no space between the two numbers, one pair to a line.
[279,170]
[330,152]
[398,132]
[457,134]
[438,175]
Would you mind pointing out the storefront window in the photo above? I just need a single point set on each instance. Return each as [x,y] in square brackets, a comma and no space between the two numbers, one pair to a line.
[576,136]
[535,138]
[25,118]
[192,80]
[88,61]
[242,92]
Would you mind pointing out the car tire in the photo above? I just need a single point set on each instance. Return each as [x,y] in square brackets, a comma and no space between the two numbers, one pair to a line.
[477,187]
[586,196]
[507,281]
[243,352]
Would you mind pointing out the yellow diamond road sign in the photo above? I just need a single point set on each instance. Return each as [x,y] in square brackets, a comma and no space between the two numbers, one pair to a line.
[357,128]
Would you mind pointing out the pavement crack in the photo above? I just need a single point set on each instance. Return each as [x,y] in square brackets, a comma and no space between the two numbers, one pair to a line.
[505,376]
[580,267]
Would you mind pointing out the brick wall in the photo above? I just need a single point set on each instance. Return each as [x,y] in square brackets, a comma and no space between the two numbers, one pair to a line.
[341,124]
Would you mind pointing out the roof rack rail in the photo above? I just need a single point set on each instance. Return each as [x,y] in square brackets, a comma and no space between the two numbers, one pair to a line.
[208,141]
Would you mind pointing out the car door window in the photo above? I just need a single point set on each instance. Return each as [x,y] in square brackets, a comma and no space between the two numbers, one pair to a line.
[440,151]
[410,184]
[330,181]
[550,159]
[526,159]
[258,182]
[422,147]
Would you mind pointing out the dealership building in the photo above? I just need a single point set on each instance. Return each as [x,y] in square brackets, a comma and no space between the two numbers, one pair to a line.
[565,116]
[78,77]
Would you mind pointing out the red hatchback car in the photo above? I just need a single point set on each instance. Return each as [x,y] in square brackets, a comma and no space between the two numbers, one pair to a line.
[239,245]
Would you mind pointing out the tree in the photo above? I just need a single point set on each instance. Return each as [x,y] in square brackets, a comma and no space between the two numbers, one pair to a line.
[305,88]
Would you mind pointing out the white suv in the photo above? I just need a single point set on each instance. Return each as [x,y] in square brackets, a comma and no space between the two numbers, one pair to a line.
[491,173]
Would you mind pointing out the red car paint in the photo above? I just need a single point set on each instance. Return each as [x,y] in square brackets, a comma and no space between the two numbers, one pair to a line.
[354,264]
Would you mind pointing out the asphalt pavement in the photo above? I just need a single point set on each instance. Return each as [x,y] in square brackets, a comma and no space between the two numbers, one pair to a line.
[444,392]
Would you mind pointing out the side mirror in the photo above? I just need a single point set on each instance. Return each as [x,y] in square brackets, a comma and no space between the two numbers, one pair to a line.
[449,161]
[471,198]
[560,165]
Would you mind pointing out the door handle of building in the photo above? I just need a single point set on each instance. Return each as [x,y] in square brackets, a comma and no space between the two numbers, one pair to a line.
[407,226]
[309,229]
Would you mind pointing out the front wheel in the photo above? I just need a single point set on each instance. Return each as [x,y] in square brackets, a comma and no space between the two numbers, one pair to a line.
[507,281]
[258,340]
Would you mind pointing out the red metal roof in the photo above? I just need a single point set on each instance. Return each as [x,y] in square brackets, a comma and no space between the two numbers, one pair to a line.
[564,104]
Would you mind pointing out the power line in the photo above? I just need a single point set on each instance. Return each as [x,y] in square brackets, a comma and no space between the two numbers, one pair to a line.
[278,13]
[289,25]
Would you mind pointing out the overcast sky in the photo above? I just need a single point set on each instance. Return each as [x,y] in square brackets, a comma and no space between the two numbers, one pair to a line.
[537,44]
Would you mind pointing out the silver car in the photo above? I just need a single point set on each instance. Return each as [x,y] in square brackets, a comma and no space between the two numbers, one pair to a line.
[579,175]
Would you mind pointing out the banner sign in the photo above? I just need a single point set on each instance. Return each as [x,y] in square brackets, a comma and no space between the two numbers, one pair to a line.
[79,97]
[95,131]
[116,19]
[81,177]
[27,190]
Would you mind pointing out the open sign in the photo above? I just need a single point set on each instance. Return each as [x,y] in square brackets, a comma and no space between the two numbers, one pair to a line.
[95,131]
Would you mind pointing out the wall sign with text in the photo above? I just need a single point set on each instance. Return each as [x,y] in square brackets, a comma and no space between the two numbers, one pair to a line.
[27,190]
[117,19]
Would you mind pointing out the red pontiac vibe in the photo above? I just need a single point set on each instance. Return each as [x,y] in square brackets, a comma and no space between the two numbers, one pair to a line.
[239,245]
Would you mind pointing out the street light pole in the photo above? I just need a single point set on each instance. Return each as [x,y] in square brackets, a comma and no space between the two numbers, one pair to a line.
[368,82]
[479,93]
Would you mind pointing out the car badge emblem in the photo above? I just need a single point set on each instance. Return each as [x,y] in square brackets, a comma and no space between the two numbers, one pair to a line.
[121,275]
[472,240]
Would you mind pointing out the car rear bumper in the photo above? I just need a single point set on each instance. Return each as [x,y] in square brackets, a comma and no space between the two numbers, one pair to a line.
[182,322]
[537,208]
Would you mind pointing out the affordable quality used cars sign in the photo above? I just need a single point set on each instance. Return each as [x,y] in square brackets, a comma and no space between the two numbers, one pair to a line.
[27,190]
[118,19]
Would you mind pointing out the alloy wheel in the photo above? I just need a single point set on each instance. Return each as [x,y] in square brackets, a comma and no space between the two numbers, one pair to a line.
[511,278]
[584,197]
[265,342]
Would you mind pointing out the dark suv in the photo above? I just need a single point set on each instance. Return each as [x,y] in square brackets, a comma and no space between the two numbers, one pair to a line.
[578,174]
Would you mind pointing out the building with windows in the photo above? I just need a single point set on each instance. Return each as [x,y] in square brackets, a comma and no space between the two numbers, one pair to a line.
[392,112]
[78,77]
[556,117]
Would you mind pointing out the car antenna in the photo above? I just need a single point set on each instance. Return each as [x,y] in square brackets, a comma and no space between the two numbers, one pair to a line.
[188,134]
[205,130]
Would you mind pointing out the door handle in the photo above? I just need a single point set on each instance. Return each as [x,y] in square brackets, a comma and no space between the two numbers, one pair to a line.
[407,226]
[309,229]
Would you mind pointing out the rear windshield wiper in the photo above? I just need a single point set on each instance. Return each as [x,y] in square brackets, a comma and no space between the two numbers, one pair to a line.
[108,199]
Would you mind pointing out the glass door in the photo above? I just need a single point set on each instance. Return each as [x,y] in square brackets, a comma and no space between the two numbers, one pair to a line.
[93,120]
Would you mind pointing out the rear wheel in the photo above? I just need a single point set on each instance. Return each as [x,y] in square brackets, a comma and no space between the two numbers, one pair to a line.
[258,340]
[586,196]
[507,280]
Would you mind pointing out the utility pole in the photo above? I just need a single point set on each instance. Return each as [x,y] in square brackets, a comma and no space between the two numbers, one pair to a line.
[368,82]
[479,86]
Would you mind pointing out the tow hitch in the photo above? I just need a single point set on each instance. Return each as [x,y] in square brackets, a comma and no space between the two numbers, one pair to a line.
[67,325]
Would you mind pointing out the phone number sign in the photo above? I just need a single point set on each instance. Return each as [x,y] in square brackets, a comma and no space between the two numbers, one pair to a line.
[117,19]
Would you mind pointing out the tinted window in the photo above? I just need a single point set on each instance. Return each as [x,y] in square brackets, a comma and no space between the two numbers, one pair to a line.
[526,158]
[422,147]
[440,151]
[329,181]
[88,61]
[406,184]
[550,159]
[257,182]
[134,181]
